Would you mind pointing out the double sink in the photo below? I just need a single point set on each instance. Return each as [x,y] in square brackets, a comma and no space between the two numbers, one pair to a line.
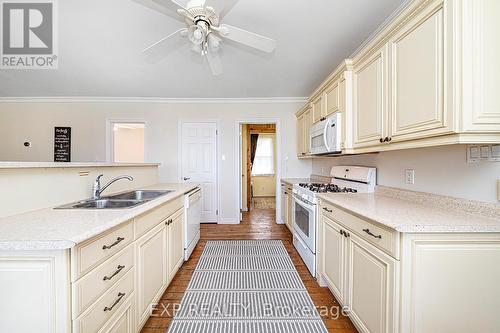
[118,201]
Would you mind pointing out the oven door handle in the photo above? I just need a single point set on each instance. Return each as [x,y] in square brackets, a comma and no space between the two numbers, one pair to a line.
[302,203]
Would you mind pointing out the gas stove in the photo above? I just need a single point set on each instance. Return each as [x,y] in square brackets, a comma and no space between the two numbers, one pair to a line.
[345,180]
[327,188]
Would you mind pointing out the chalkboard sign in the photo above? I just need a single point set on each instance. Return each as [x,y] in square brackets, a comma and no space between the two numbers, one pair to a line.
[62,144]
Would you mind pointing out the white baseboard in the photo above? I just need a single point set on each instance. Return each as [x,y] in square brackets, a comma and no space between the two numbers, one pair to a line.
[228,220]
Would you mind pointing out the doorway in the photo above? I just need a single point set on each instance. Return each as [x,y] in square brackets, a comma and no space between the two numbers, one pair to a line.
[258,153]
[198,147]
[126,141]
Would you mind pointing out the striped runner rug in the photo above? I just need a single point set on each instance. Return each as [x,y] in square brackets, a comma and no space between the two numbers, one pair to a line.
[246,287]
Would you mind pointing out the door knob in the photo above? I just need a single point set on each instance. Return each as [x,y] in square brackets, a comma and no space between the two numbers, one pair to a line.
[187,178]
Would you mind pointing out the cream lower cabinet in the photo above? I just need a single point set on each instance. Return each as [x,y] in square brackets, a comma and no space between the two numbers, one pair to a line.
[395,282]
[372,278]
[151,250]
[286,205]
[106,284]
[175,246]
[334,265]
[360,276]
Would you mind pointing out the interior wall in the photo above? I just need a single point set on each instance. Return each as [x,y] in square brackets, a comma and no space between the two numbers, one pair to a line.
[440,170]
[35,120]
[37,188]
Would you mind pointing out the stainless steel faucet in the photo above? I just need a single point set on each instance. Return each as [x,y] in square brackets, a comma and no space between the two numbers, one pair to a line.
[97,190]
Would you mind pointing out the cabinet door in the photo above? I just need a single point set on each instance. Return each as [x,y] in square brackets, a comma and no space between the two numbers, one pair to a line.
[369,116]
[332,98]
[333,257]
[308,121]
[300,135]
[284,206]
[174,244]
[372,277]
[151,268]
[289,206]
[417,83]
[343,110]
[317,109]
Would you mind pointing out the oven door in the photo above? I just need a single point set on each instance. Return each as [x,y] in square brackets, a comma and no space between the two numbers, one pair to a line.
[304,224]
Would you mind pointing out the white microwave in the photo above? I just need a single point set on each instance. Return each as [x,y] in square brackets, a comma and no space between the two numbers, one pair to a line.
[326,136]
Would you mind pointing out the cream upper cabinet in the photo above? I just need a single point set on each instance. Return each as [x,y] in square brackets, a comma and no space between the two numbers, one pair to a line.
[174,244]
[417,78]
[480,65]
[304,123]
[333,260]
[300,135]
[332,98]
[370,107]
[317,109]
[308,121]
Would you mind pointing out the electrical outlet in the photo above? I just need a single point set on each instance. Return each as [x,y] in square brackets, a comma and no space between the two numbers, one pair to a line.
[410,176]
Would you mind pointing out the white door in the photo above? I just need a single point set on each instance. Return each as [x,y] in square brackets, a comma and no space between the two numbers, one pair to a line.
[199,164]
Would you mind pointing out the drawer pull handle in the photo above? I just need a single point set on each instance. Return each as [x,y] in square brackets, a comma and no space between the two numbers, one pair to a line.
[328,210]
[120,296]
[118,241]
[168,222]
[120,268]
[371,234]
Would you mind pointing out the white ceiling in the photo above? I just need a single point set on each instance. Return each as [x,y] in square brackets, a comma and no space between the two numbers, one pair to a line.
[100,43]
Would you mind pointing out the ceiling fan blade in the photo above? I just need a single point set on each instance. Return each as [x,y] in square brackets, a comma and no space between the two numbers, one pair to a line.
[213,57]
[164,46]
[221,6]
[167,7]
[247,38]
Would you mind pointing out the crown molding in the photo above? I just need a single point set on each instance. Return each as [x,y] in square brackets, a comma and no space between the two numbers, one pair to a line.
[262,100]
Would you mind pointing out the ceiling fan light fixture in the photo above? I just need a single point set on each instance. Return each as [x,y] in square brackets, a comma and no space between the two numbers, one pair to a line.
[196,34]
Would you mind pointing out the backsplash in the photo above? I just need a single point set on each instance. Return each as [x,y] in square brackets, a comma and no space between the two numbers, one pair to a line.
[439,170]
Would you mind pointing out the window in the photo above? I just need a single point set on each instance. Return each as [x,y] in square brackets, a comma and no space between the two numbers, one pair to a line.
[128,142]
[263,164]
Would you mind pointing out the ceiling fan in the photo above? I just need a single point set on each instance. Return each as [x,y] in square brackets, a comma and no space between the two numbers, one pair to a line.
[203,30]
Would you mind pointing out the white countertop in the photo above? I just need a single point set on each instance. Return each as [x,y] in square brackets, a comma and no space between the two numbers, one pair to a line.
[416,214]
[51,229]
[32,165]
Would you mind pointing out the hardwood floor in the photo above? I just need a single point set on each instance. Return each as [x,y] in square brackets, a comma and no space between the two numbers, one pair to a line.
[258,224]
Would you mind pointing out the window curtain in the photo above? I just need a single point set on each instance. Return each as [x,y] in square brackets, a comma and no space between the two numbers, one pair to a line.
[253,146]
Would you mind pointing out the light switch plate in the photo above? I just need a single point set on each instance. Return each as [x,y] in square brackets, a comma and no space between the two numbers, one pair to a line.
[485,152]
[473,154]
[498,189]
[410,176]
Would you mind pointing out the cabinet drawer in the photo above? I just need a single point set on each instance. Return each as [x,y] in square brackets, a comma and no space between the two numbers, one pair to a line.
[384,238]
[90,287]
[122,322]
[149,220]
[94,319]
[90,253]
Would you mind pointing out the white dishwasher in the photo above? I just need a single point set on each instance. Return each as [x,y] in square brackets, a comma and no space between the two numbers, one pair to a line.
[192,217]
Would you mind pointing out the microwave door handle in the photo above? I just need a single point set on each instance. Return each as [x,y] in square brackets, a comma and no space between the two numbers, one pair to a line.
[325,135]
